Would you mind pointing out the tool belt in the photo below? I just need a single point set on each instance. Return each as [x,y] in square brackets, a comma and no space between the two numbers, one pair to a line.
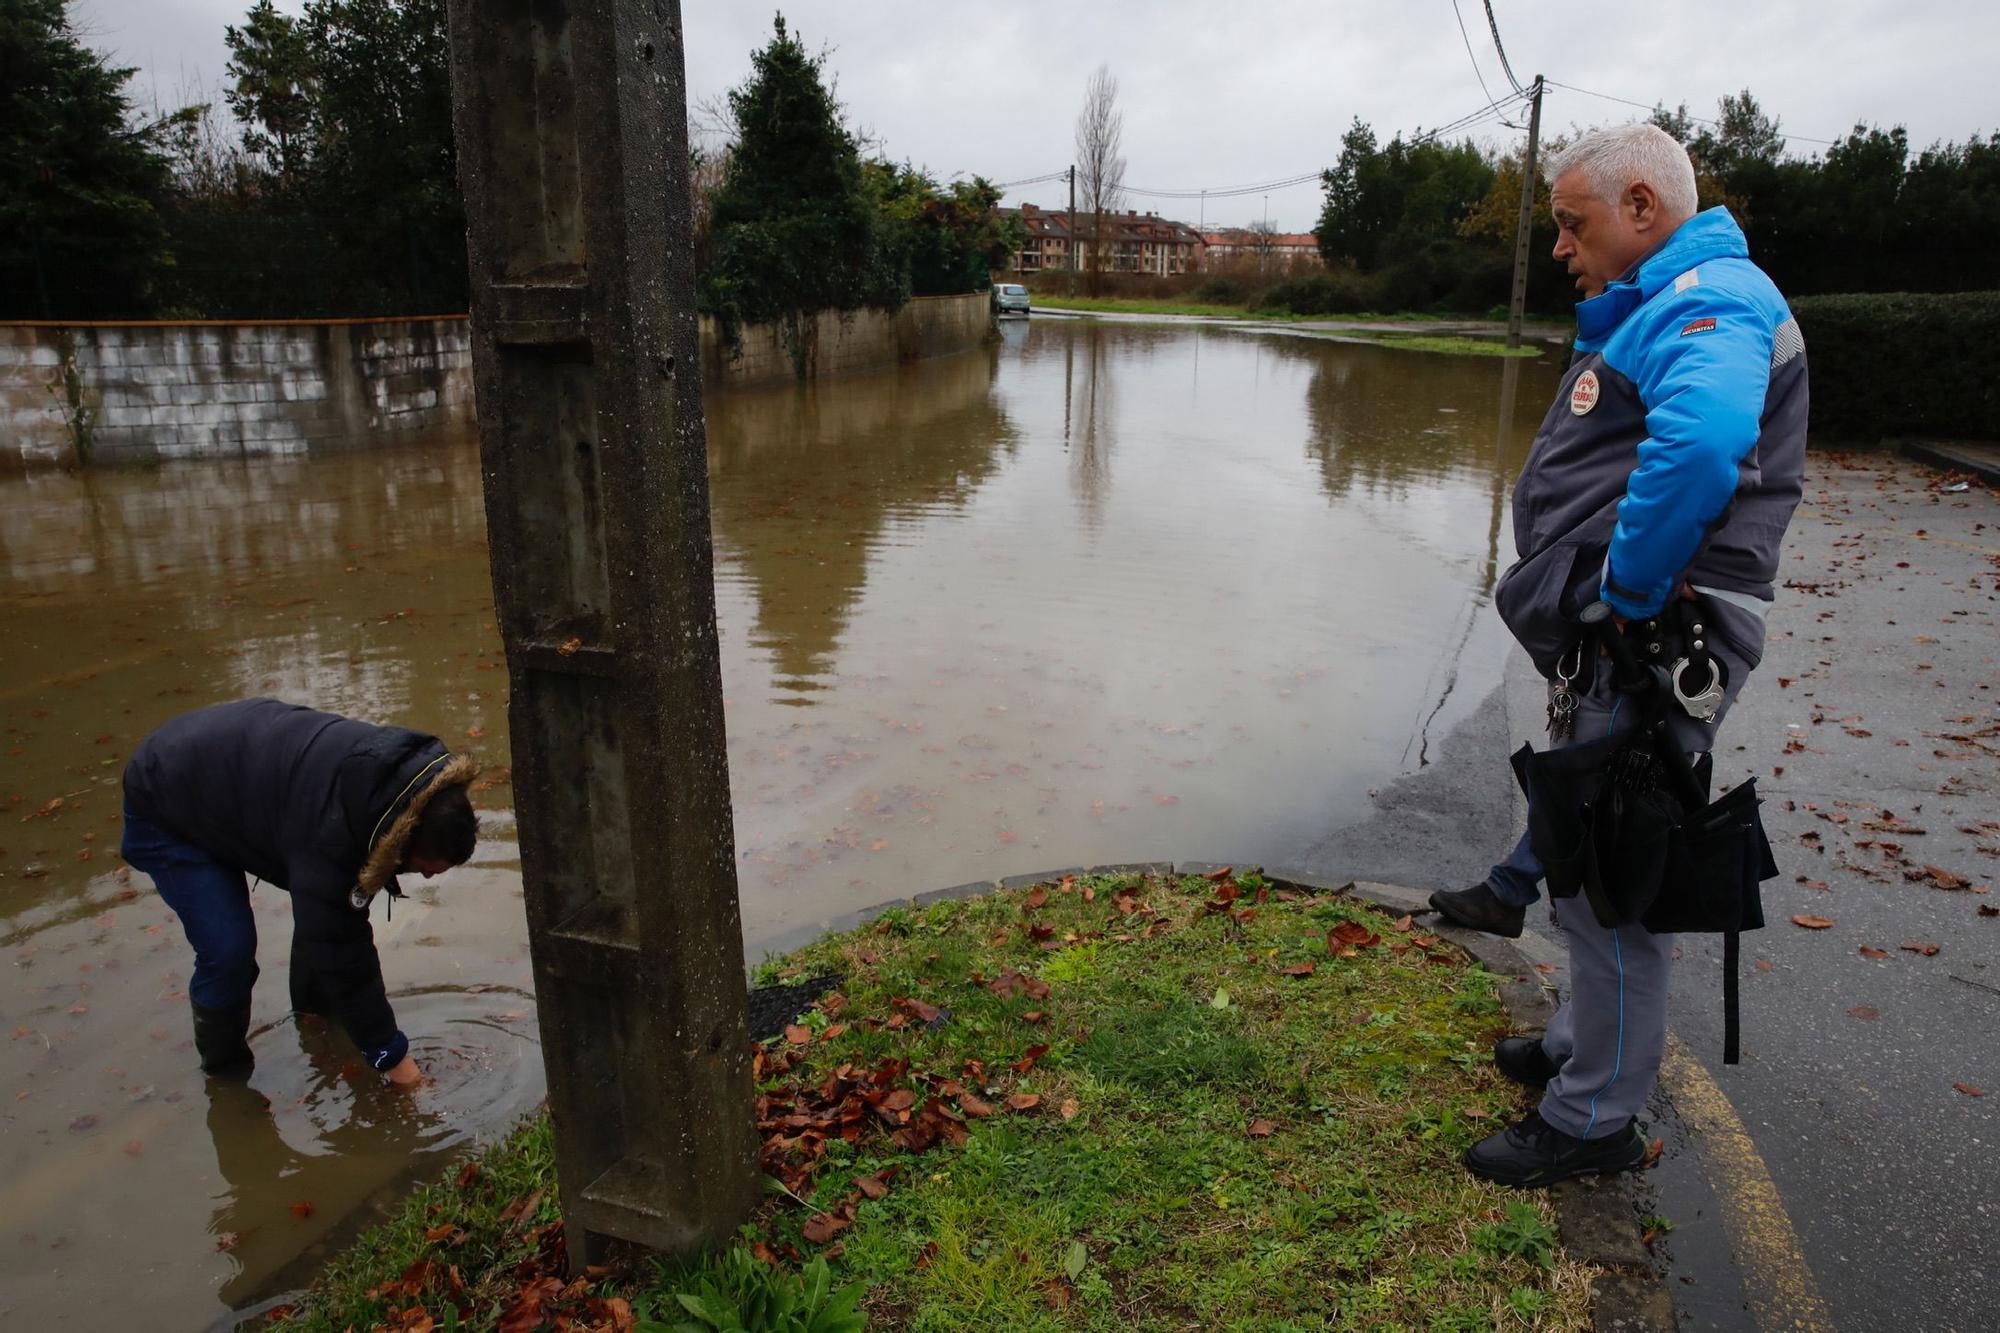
[1626,821]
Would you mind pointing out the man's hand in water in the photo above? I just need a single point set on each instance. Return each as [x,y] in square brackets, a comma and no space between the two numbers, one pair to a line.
[406,1074]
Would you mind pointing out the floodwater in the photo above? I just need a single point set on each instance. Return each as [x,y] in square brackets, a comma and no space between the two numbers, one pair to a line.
[1097,592]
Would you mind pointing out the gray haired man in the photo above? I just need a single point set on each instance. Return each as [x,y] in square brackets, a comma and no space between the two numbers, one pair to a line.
[1667,468]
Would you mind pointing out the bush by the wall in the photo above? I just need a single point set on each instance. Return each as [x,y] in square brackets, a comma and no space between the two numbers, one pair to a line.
[1902,363]
[1334,292]
[1226,289]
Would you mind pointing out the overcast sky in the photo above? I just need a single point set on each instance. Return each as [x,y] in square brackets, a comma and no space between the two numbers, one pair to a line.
[1221,95]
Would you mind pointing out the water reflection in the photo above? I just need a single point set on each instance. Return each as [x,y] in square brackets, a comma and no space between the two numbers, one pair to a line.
[1095,592]
[807,483]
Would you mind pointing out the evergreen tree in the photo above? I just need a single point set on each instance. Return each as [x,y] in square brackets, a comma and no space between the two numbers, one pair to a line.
[79,235]
[272,88]
[384,173]
[794,227]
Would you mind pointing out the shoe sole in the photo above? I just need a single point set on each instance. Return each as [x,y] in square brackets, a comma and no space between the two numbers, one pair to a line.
[1556,1177]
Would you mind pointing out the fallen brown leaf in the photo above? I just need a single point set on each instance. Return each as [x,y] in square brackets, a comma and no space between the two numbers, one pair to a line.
[1924,947]
[1865,1011]
[1870,951]
[1970,1090]
[1811,922]
[1261,1129]
[823,1227]
[1023,1101]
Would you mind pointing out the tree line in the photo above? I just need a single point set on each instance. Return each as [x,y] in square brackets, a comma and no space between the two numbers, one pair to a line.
[327,183]
[1421,223]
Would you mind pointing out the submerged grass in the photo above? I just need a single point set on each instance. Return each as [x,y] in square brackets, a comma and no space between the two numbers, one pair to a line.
[1448,344]
[1236,1109]
[1120,305]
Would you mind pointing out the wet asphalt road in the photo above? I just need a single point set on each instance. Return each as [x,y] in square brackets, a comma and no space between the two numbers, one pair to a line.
[1860,1074]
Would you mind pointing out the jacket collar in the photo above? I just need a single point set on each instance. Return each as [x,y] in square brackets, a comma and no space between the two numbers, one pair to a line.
[1712,234]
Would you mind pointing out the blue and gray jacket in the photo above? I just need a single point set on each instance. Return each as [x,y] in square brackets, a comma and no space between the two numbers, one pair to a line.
[1675,450]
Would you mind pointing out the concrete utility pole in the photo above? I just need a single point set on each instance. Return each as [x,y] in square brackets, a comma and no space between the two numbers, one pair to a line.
[572,149]
[1519,302]
[1070,245]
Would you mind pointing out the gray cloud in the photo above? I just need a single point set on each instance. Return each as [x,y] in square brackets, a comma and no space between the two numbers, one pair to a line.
[1218,95]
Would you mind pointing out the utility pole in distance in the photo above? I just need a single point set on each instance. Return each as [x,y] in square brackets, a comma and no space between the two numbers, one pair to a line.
[1518,304]
[1069,246]
[571,120]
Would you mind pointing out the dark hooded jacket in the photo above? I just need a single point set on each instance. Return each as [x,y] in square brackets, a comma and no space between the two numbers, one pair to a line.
[316,804]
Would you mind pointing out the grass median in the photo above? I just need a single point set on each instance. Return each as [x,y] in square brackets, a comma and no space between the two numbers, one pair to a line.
[1094,1104]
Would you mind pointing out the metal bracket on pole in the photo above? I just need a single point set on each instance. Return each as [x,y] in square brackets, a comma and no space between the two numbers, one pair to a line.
[572,148]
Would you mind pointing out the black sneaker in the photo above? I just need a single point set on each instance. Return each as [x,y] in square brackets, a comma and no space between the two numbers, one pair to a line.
[1535,1153]
[1479,908]
[1523,1060]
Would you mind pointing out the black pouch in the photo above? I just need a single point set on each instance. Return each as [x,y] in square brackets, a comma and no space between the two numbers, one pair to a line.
[1601,819]
[1715,862]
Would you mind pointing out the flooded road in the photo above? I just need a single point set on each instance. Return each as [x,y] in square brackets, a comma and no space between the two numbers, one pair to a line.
[1095,593]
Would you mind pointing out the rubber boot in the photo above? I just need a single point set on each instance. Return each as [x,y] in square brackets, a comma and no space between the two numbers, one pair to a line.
[220,1038]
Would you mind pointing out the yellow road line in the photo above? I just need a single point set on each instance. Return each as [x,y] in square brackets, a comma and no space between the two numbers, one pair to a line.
[1776,1278]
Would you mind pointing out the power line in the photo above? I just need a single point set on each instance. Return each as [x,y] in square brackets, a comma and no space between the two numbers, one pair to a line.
[1034,180]
[1656,106]
[1225,191]
[1467,39]
[1494,110]
[1494,24]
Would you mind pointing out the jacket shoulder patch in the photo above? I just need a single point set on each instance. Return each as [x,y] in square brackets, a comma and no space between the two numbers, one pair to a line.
[1691,278]
[1704,325]
[1787,343]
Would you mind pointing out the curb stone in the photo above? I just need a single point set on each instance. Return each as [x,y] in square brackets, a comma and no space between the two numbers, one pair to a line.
[1596,1219]
[1982,460]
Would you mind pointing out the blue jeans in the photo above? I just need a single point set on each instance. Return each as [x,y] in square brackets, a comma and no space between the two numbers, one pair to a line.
[1517,880]
[213,903]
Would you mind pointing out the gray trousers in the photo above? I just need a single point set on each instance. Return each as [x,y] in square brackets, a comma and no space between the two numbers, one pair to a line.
[1611,1032]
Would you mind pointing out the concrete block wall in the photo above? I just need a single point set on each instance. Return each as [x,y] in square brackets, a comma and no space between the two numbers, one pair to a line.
[210,390]
[838,341]
[153,391]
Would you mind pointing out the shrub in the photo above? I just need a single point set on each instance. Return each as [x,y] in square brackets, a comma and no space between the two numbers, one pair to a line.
[1225,289]
[1335,292]
[1902,363]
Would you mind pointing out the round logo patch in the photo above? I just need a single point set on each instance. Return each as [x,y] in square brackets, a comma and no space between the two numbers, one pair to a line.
[1583,394]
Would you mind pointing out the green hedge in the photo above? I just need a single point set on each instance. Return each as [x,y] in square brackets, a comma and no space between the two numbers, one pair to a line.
[1902,364]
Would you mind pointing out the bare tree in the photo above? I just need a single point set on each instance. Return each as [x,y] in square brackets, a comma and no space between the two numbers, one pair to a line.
[1100,161]
[1263,238]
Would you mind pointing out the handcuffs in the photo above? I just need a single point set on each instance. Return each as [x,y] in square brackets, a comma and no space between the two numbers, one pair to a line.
[1701,699]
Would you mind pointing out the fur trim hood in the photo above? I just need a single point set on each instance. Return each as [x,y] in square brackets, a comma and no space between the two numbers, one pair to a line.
[385,852]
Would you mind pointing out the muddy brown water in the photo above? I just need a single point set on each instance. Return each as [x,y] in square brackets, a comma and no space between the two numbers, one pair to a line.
[1097,592]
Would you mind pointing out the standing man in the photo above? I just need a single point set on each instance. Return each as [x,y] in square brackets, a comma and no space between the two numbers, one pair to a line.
[326,808]
[1662,480]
